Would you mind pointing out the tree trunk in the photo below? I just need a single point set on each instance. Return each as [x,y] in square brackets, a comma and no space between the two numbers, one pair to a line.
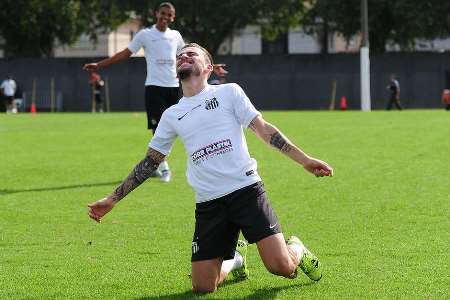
[324,37]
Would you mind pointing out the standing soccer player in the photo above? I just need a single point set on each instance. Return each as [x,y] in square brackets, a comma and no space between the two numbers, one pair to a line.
[160,45]
[230,195]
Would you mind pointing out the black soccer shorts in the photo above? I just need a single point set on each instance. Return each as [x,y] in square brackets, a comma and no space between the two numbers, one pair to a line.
[218,222]
[157,100]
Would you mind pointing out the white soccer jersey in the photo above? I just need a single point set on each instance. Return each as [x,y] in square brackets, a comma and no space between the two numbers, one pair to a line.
[160,50]
[9,87]
[210,125]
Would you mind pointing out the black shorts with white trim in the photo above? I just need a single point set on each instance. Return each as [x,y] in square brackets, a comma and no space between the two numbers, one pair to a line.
[219,221]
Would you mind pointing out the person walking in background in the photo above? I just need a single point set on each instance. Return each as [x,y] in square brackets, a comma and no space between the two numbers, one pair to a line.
[230,195]
[161,45]
[394,93]
[96,83]
[8,88]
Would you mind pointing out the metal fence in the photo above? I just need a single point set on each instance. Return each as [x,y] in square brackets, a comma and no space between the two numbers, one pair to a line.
[276,82]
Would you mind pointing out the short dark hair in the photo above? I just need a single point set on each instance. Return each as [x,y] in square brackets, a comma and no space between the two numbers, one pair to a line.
[207,54]
[166,4]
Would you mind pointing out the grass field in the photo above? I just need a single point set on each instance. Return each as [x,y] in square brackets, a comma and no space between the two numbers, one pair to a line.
[381,226]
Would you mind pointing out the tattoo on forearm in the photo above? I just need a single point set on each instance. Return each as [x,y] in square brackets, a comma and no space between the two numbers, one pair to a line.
[140,173]
[278,141]
[252,126]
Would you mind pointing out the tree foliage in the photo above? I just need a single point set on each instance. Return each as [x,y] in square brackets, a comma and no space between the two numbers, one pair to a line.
[209,23]
[32,28]
[399,22]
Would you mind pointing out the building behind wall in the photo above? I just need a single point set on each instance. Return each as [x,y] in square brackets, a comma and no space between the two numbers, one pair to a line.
[107,44]
[246,41]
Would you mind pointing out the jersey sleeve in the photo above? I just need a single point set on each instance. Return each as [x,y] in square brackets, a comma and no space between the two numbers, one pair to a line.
[180,42]
[244,110]
[164,136]
[136,43]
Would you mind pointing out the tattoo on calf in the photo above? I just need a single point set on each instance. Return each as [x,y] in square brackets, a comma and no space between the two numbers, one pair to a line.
[140,173]
[278,141]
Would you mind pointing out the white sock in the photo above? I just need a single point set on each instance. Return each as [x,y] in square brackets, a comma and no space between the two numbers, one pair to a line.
[233,264]
[163,166]
[298,249]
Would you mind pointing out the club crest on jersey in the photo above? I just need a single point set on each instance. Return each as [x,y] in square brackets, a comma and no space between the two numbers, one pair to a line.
[211,103]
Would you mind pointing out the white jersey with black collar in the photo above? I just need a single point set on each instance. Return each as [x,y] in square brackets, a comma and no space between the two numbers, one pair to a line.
[210,125]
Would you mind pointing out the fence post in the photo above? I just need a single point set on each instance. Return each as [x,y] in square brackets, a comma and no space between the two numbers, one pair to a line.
[52,94]
[108,107]
[333,94]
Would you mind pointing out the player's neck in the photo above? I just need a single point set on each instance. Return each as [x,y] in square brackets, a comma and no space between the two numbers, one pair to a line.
[193,86]
[161,28]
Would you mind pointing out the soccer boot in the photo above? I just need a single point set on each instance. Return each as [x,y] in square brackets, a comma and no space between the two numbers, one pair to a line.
[242,272]
[309,263]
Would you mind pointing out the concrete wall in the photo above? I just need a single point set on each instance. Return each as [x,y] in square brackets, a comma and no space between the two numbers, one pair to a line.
[272,82]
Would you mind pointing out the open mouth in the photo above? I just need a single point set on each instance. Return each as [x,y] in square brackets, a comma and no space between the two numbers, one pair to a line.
[184,64]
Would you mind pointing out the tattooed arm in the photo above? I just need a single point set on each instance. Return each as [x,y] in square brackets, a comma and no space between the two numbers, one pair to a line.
[275,138]
[138,175]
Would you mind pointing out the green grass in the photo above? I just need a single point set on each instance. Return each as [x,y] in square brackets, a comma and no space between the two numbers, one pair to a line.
[381,226]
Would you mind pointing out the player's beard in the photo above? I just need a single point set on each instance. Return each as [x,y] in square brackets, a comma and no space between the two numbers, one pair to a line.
[184,74]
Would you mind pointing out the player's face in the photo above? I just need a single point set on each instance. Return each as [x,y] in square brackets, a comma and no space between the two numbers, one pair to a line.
[191,61]
[164,17]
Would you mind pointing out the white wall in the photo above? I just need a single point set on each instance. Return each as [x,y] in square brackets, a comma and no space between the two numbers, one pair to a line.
[300,42]
[107,44]
[247,41]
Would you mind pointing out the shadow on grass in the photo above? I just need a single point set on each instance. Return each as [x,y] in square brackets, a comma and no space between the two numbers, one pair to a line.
[56,188]
[264,293]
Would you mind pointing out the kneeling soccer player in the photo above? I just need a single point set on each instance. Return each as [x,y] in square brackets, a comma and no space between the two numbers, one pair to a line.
[230,195]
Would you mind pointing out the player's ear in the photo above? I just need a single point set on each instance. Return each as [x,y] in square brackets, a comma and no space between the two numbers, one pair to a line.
[209,69]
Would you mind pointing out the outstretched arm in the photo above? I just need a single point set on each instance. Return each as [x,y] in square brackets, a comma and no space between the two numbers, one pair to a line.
[273,137]
[118,57]
[140,173]
[219,69]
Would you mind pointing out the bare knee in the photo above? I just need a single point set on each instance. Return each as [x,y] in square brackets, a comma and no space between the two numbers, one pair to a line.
[206,275]
[204,287]
[275,255]
[281,267]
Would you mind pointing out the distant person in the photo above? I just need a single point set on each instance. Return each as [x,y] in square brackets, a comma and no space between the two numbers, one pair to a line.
[161,45]
[230,196]
[8,88]
[394,93]
[97,84]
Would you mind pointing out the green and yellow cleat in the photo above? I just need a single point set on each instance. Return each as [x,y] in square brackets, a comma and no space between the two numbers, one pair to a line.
[242,272]
[309,263]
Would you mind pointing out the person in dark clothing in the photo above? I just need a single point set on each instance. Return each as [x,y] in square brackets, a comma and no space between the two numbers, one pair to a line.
[97,84]
[394,90]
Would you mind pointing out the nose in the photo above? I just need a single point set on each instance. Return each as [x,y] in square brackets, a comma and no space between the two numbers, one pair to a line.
[182,57]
